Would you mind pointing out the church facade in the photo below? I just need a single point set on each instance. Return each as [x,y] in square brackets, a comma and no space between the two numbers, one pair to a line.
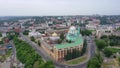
[73,35]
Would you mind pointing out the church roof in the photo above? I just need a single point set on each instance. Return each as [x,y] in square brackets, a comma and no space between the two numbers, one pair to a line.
[73,35]
[72,28]
[79,41]
[54,34]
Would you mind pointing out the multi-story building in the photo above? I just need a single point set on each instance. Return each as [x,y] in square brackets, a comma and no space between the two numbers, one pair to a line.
[92,25]
[58,51]
[104,30]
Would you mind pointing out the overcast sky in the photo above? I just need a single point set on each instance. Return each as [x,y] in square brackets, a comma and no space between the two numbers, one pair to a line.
[58,7]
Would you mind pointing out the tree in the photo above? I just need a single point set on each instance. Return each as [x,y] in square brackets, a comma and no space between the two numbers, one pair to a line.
[108,52]
[69,41]
[84,47]
[1,42]
[86,32]
[28,56]
[111,40]
[62,37]
[118,28]
[104,36]
[36,64]
[119,60]
[0,34]
[71,55]
[10,37]
[32,38]
[59,41]
[42,65]
[39,43]
[101,44]
[26,32]
[95,62]
[49,64]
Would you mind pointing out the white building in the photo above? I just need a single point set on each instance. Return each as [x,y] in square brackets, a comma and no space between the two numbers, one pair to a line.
[4,34]
[34,34]
[91,27]
[104,30]
[54,37]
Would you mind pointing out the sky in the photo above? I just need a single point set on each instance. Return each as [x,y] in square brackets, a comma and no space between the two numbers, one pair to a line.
[58,7]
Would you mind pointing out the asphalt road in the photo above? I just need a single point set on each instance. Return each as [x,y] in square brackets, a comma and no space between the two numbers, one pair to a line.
[13,56]
[90,50]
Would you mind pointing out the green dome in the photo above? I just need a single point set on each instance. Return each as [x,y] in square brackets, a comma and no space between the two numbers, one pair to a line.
[73,33]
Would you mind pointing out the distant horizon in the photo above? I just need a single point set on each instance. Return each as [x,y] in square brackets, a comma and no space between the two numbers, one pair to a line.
[58,7]
[55,15]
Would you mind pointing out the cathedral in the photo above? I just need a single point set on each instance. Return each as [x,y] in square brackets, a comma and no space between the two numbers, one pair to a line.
[60,50]
[73,33]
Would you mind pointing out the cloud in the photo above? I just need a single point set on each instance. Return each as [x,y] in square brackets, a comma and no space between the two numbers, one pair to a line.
[58,7]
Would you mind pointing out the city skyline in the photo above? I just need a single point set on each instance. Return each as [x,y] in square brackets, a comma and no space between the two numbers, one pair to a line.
[58,7]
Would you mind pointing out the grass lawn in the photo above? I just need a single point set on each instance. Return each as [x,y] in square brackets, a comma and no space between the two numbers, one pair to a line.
[0,38]
[118,28]
[77,60]
[2,58]
[112,62]
[9,52]
[118,60]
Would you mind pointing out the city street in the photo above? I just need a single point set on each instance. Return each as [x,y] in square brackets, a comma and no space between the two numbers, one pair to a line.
[90,51]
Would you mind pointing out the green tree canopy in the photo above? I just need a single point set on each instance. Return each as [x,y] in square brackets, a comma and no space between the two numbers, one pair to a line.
[119,60]
[32,38]
[95,62]
[0,34]
[26,32]
[101,44]
[110,51]
[86,32]
[39,43]
[28,56]
[62,37]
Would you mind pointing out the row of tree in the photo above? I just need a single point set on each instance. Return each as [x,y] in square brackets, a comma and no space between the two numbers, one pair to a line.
[0,34]
[28,56]
[95,62]
[86,32]
[110,51]
[76,53]
[112,40]
[26,32]
[1,42]
[119,60]
[101,44]
[106,41]
[71,55]
[33,39]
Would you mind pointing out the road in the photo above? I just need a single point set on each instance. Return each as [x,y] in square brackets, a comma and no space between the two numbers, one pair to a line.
[11,59]
[90,50]
[14,52]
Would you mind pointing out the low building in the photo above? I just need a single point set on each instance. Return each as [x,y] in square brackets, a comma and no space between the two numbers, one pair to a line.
[5,65]
[54,38]
[34,34]
[3,49]
[104,30]
[92,25]
[4,34]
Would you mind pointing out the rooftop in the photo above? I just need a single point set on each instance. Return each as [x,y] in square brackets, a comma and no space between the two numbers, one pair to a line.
[78,41]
